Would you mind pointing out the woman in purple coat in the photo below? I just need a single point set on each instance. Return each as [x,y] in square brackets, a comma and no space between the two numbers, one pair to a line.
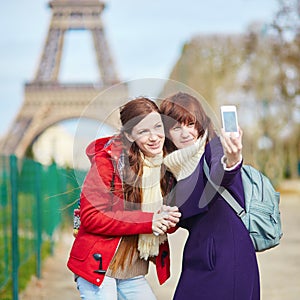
[219,260]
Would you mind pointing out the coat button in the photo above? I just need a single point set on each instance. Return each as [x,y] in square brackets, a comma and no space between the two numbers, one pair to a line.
[98,280]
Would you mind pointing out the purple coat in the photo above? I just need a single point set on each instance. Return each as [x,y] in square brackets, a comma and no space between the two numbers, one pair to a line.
[219,260]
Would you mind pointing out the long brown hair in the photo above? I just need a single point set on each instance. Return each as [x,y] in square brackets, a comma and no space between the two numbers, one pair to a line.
[184,109]
[131,114]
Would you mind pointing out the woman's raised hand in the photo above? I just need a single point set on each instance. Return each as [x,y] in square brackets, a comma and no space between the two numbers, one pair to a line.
[232,146]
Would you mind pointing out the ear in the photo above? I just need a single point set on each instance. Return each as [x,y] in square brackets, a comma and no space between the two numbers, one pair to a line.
[129,137]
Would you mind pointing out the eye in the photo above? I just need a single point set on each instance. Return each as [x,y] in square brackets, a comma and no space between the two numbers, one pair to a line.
[158,126]
[176,127]
[191,124]
[143,131]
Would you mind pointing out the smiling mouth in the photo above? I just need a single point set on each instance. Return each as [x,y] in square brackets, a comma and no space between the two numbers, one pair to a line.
[187,141]
[154,146]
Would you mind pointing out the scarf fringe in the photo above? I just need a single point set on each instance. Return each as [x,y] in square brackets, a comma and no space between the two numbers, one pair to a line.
[148,244]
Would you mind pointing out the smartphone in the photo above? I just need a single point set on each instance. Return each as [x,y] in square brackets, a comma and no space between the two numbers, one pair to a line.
[229,119]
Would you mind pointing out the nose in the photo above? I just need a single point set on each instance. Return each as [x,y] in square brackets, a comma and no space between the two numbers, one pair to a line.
[153,136]
[184,131]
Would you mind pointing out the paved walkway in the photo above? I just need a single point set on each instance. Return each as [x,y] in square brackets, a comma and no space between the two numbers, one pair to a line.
[57,281]
[279,267]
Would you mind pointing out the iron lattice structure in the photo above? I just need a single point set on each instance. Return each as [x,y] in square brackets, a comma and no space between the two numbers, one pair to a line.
[47,101]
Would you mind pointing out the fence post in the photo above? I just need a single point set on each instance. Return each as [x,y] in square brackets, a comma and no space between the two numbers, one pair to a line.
[14,226]
[38,191]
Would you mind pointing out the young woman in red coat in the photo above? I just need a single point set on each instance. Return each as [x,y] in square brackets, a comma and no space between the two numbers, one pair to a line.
[122,227]
[219,260]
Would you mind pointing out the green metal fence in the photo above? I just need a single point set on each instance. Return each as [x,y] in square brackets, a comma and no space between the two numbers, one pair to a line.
[35,202]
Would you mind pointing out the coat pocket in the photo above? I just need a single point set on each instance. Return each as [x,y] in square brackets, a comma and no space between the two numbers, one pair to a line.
[82,247]
[201,255]
[211,253]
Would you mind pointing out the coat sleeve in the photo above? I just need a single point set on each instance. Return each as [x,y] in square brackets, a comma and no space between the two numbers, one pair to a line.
[194,193]
[213,157]
[229,179]
[102,212]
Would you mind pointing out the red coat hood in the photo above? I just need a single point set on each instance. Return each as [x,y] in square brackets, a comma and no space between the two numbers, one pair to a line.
[110,144]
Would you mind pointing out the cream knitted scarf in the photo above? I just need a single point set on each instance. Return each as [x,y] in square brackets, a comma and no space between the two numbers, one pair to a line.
[183,162]
[148,244]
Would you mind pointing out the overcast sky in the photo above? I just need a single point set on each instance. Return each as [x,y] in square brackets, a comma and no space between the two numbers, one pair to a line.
[145,38]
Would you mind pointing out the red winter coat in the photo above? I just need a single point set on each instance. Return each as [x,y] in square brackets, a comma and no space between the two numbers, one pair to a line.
[103,218]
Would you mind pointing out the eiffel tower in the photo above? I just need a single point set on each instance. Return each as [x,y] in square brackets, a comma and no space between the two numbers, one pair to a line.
[47,101]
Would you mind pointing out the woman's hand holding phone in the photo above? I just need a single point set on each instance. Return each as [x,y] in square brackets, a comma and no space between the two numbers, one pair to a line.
[232,147]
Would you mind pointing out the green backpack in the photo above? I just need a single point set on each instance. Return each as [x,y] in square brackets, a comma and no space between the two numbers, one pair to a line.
[261,215]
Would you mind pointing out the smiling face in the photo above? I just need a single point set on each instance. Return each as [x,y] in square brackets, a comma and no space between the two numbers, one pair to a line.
[185,121]
[183,135]
[149,135]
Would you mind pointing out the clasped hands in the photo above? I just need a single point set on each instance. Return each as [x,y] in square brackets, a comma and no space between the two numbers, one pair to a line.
[164,219]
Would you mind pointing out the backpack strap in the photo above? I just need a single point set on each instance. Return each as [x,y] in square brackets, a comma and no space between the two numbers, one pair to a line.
[240,211]
[112,182]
